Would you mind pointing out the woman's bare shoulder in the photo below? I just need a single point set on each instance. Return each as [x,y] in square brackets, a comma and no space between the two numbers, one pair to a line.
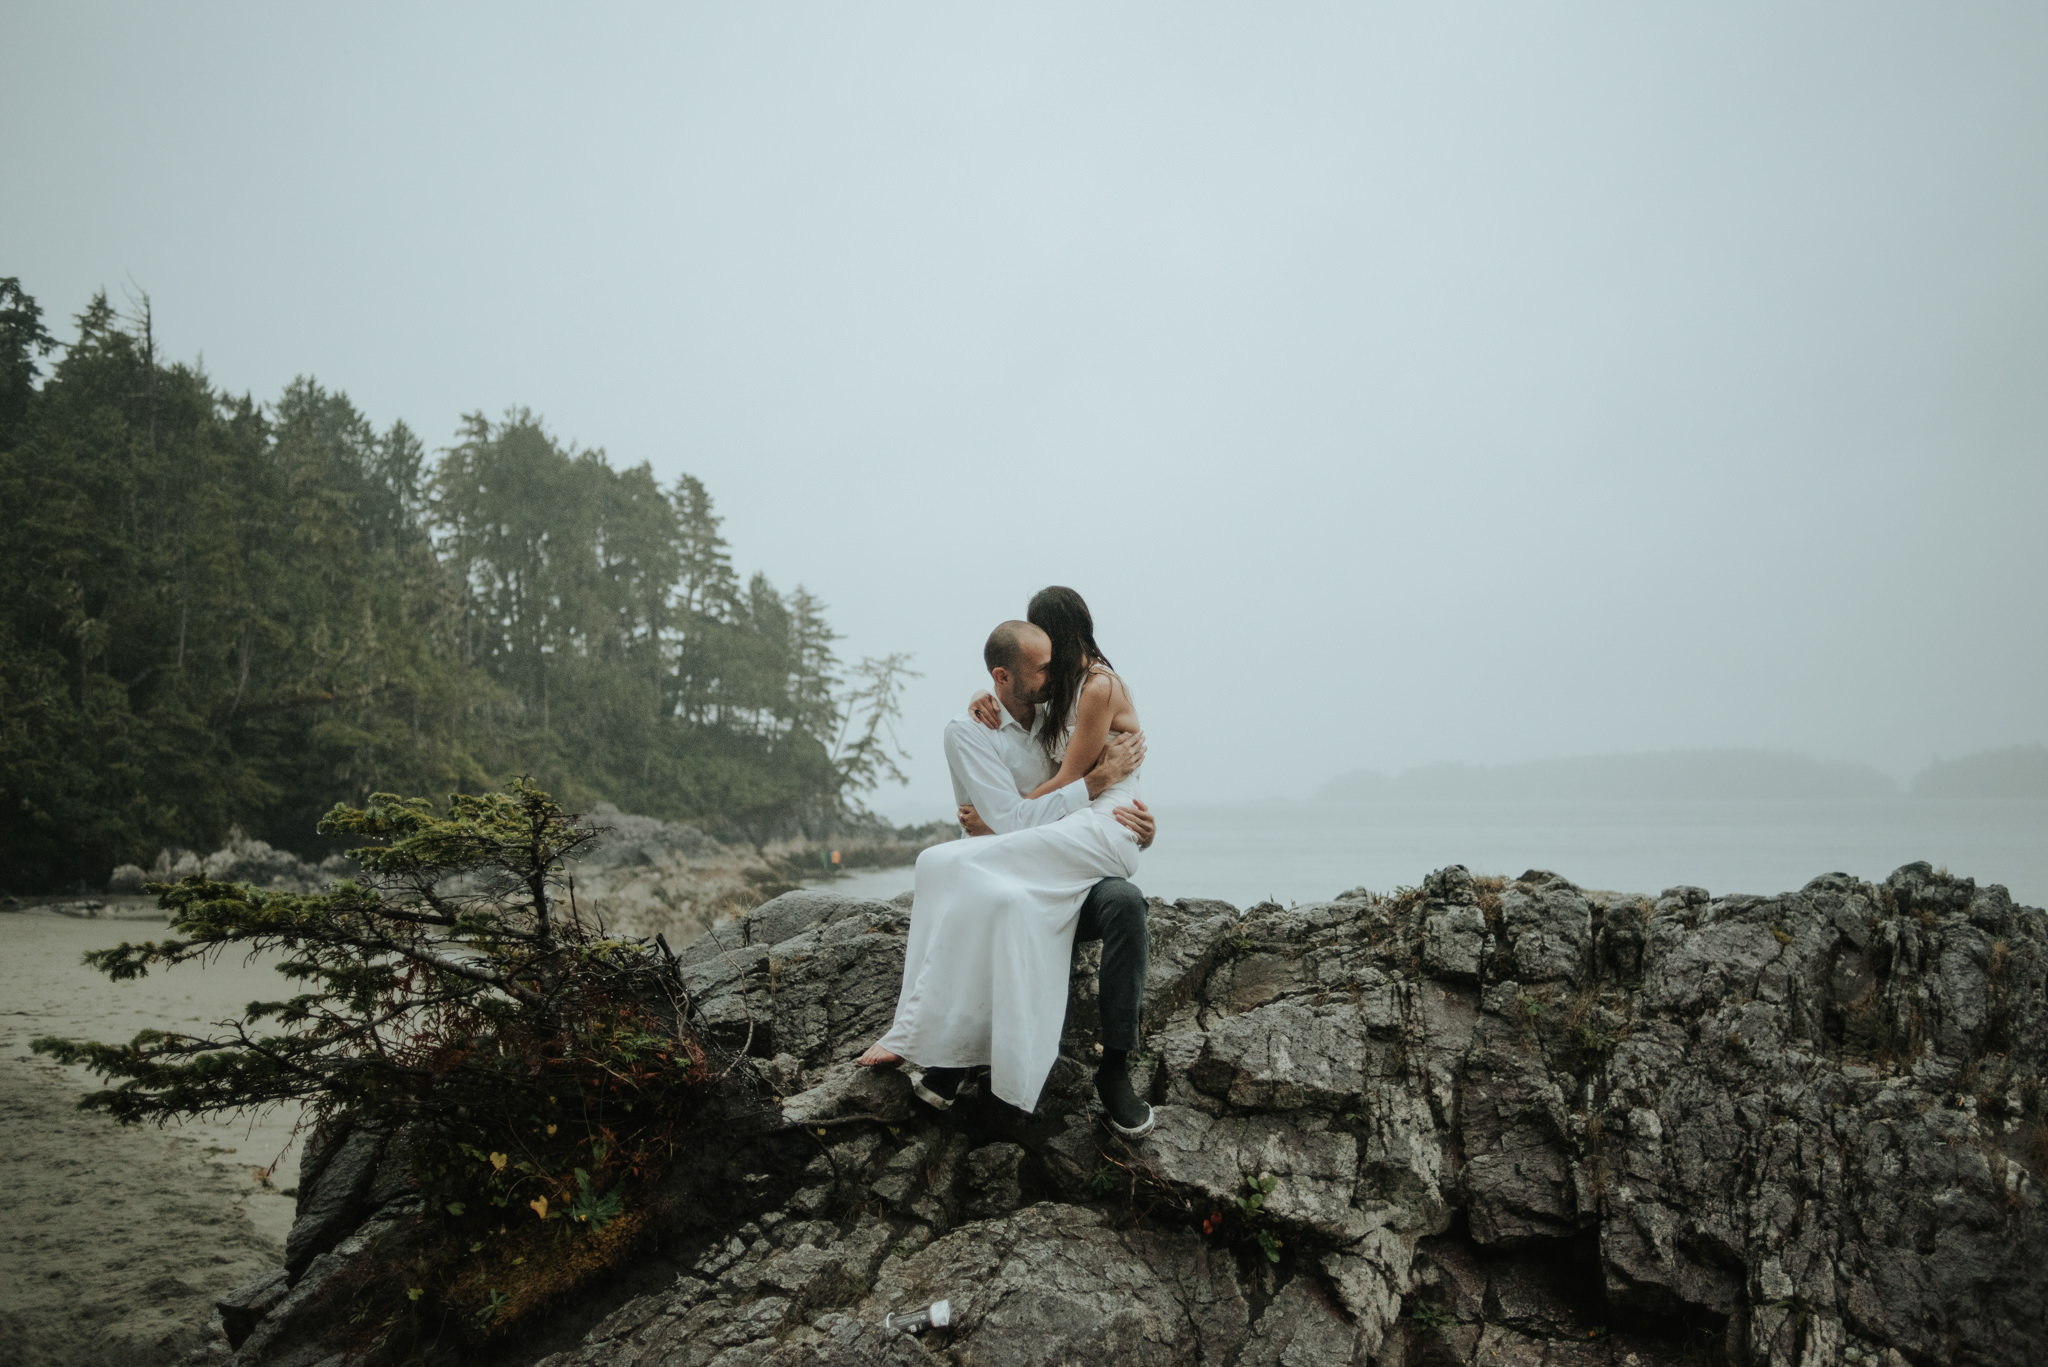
[1105,683]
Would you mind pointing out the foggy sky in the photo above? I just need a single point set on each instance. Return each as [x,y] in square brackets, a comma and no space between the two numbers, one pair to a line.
[1469,383]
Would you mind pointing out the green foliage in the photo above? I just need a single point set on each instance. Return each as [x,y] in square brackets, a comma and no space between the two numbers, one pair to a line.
[1252,1204]
[592,1207]
[214,612]
[452,989]
[1592,1038]
[1431,1316]
[22,343]
[539,1071]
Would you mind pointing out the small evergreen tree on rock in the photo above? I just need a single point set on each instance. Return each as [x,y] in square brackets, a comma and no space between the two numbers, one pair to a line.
[540,1073]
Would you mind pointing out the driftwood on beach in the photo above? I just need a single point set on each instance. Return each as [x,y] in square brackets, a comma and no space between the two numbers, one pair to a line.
[1483,1120]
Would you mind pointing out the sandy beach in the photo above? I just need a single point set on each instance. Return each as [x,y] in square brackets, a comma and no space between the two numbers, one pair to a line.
[118,1238]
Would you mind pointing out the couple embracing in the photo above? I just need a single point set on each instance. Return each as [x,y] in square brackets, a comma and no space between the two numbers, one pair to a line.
[1045,772]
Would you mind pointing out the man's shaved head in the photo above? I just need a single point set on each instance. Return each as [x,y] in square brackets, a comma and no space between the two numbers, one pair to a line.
[1005,647]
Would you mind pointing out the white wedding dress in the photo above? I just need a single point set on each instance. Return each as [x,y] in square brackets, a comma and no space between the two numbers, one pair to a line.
[992,941]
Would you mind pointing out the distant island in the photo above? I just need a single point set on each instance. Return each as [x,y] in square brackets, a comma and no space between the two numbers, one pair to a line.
[2020,771]
[1699,776]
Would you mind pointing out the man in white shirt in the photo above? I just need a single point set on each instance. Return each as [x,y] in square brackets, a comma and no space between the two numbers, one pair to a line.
[992,769]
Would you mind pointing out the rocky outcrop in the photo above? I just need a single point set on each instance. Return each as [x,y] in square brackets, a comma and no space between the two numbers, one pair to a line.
[240,860]
[1488,1121]
[644,877]
[649,876]
[668,877]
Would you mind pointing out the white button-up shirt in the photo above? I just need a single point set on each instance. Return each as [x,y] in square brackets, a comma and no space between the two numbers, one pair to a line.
[992,770]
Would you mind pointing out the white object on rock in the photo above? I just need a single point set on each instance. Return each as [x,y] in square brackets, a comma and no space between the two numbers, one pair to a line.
[937,1315]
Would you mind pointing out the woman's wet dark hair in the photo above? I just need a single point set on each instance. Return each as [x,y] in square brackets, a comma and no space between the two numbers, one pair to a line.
[1062,614]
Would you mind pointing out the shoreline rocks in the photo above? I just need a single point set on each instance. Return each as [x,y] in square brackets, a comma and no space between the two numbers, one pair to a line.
[1511,1120]
[650,876]
[645,877]
[240,860]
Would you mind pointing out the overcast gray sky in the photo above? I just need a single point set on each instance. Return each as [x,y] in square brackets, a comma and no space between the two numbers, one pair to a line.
[1397,383]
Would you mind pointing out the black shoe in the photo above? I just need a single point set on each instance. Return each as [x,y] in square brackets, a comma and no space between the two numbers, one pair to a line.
[938,1087]
[1127,1115]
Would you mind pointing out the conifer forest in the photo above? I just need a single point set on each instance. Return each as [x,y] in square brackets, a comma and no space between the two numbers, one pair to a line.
[217,611]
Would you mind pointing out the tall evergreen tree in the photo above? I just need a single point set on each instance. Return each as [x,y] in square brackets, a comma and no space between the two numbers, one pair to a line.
[23,343]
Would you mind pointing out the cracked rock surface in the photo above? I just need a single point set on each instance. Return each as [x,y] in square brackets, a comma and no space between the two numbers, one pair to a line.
[1499,1121]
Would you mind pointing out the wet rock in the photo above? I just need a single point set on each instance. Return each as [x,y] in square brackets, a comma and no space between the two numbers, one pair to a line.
[336,1185]
[1281,1057]
[242,1309]
[1452,885]
[1486,1121]
[1453,941]
[1057,1283]
[992,1176]
[1215,1158]
[818,986]
[298,1330]
[1550,929]
[880,1092]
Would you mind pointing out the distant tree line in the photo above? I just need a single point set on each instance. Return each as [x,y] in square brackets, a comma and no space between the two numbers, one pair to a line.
[214,611]
[2017,772]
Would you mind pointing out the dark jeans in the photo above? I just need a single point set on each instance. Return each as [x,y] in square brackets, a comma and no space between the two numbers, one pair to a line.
[1115,914]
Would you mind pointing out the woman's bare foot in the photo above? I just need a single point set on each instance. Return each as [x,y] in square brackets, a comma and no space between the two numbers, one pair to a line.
[878,1057]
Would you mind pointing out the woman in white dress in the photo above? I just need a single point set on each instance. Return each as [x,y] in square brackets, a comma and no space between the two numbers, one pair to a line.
[992,926]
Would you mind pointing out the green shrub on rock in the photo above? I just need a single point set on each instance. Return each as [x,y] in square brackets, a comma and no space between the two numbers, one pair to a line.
[540,1073]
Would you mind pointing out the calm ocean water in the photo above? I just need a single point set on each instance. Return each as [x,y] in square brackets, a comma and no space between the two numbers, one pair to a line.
[1302,852]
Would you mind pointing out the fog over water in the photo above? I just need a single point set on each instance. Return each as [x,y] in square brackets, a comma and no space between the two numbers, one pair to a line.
[1400,385]
[1300,852]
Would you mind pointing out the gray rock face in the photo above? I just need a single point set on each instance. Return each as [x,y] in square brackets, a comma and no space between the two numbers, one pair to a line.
[338,1183]
[1491,1120]
[647,876]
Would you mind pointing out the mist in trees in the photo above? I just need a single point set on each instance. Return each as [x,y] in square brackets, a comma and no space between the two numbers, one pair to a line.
[215,612]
